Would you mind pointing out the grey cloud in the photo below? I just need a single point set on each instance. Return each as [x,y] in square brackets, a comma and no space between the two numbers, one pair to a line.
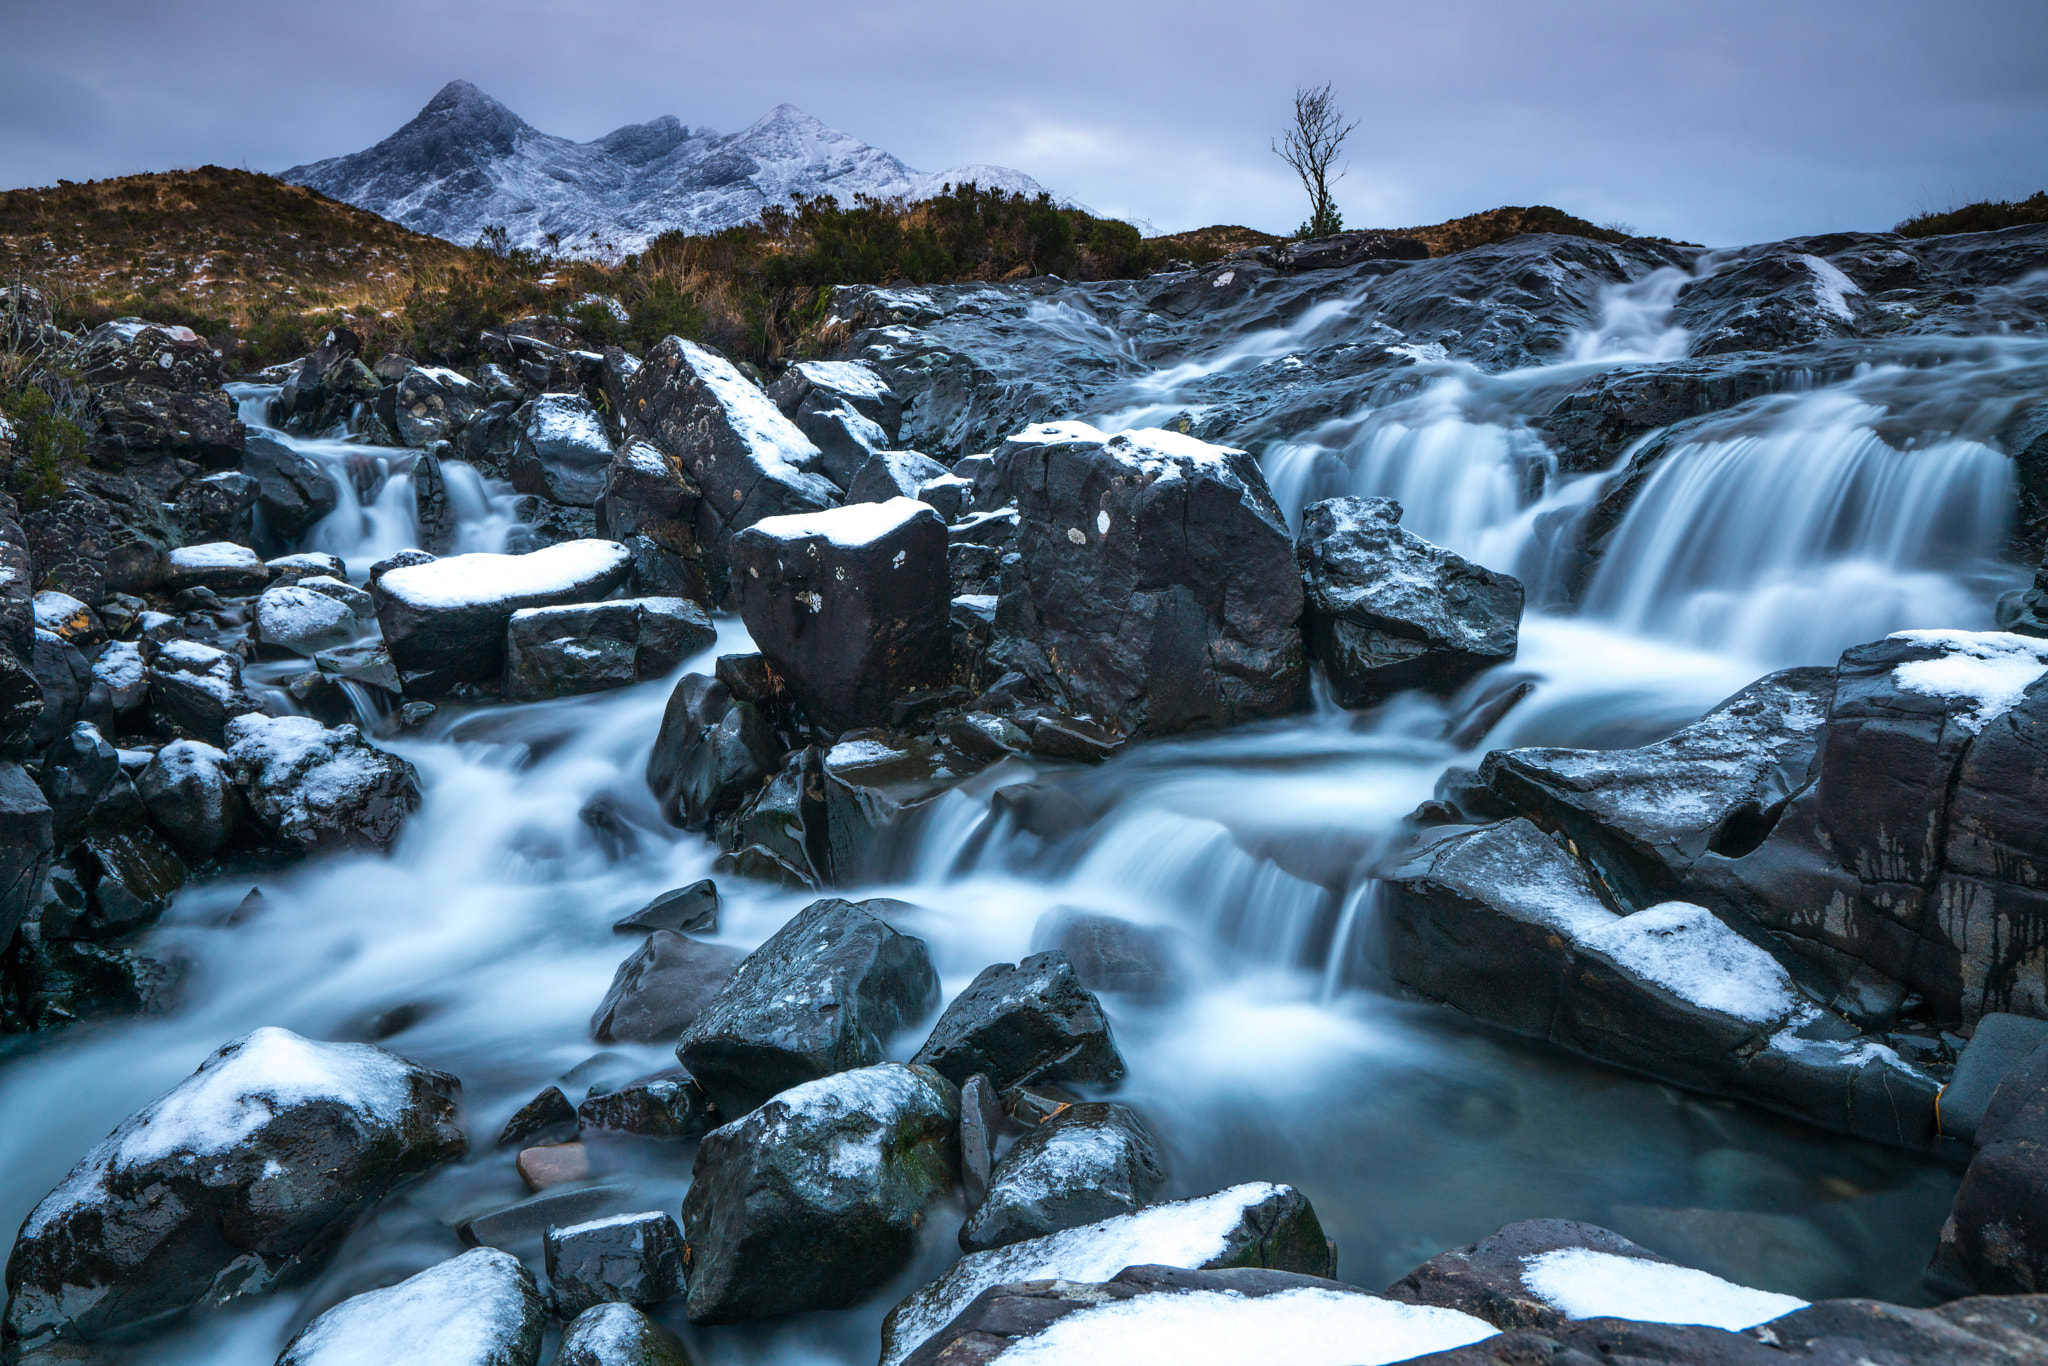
[1718,122]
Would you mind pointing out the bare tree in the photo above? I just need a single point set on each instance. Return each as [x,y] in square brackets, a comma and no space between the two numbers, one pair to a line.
[1311,147]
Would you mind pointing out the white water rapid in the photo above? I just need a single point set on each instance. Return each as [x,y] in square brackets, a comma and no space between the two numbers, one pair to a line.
[481,945]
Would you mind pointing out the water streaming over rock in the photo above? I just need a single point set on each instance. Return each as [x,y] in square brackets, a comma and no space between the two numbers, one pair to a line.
[483,942]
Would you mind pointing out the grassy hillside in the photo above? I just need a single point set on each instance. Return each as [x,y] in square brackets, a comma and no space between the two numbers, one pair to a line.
[1985,216]
[1443,239]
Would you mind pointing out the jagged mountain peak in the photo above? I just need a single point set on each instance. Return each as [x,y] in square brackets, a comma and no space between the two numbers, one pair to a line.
[466,162]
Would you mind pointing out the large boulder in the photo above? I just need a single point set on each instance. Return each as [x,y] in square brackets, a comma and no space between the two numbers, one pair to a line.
[815,1199]
[195,690]
[1504,924]
[478,1309]
[589,647]
[301,618]
[141,425]
[823,995]
[1162,1314]
[746,458]
[1384,610]
[157,355]
[432,404]
[1156,588]
[245,1176]
[445,622]
[845,407]
[1996,1238]
[659,991]
[850,605]
[293,491]
[189,790]
[1024,1022]
[1253,1225]
[313,787]
[1090,1162]
[562,451]
[711,752]
[622,1259]
[650,503]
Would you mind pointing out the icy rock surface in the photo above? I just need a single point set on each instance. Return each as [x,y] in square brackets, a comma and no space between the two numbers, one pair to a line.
[1090,1162]
[1584,1283]
[318,787]
[478,1309]
[814,1200]
[248,1172]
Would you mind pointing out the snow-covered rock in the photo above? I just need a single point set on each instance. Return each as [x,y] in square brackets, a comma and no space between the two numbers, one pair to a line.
[228,569]
[850,605]
[249,1172]
[588,647]
[478,1309]
[745,458]
[824,994]
[622,1259]
[195,690]
[846,407]
[306,565]
[319,788]
[121,669]
[191,796]
[304,619]
[1024,1021]
[445,621]
[430,404]
[893,474]
[466,162]
[1253,1225]
[562,450]
[619,1335]
[1385,610]
[814,1200]
[67,618]
[1159,591]
[1090,1162]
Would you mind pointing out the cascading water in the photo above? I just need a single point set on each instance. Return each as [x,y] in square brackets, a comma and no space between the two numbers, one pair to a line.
[482,943]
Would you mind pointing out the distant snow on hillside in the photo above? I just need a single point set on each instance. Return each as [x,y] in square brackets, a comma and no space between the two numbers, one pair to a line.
[466,162]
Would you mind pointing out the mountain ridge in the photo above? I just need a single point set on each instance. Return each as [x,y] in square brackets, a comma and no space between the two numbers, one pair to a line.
[466,161]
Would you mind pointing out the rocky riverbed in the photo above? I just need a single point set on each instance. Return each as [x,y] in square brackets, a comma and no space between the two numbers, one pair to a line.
[1336,805]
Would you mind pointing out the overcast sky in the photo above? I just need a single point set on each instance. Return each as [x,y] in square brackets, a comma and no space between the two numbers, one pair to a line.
[1735,121]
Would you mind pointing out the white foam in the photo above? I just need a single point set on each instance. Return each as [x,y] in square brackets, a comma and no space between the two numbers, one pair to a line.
[1583,1284]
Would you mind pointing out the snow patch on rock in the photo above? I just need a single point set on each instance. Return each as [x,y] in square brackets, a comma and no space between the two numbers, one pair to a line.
[1991,670]
[1581,1283]
[851,526]
[1689,953]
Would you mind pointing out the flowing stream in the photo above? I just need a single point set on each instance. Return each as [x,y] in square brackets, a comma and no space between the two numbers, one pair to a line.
[1795,526]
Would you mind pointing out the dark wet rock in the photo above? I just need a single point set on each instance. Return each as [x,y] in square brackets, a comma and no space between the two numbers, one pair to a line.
[845,407]
[547,1118]
[1021,1022]
[870,778]
[245,1176]
[814,1200]
[746,458]
[66,684]
[138,873]
[220,566]
[1504,924]
[1157,589]
[589,647]
[1347,249]
[478,1309]
[824,994]
[686,910]
[1998,1045]
[218,508]
[562,450]
[1485,1279]
[1091,1162]
[893,474]
[981,1123]
[711,753]
[1996,1238]
[1384,610]
[1256,1225]
[777,835]
[432,511]
[63,982]
[1785,294]
[191,796]
[620,1259]
[650,503]
[76,769]
[195,690]
[666,1105]
[445,621]
[520,1227]
[1033,1103]
[292,490]
[431,404]
[313,787]
[659,991]
[26,845]
[619,1335]
[301,618]
[1644,817]
[849,605]
[327,385]
[1112,954]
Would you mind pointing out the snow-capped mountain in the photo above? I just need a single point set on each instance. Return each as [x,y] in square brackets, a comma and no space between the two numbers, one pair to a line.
[467,162]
